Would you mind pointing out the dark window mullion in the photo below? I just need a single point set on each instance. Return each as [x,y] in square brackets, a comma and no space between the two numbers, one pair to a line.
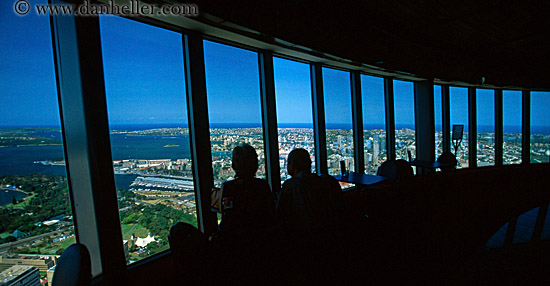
[319,128]
[199,132]
[357,117]
[498,127]
[76,45]
[446,118]
[269,119]
[472,127]
[424,120]
[390,118]
[526,127]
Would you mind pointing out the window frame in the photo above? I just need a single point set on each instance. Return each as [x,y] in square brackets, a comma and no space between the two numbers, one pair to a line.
[90,127]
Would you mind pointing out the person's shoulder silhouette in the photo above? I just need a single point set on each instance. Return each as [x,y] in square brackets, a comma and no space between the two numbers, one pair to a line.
[247,202]
[308,204]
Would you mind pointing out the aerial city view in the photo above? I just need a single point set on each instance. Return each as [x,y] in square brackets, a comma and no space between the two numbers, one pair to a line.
[155,187]
[149,136]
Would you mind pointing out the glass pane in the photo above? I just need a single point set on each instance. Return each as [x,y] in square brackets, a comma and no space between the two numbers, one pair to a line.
[149,134]
[458,97]
[497,239]
[233,86]
[336,85]
[485,127]
[540,127]
[511,116]
[35,211]
[438,119]
[525,226]
[294,113]
[374,122]
[546,227]
[405,141]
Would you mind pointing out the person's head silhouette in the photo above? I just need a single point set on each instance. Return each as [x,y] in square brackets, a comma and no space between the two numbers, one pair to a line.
[447,158]
[298,160]
[244,161]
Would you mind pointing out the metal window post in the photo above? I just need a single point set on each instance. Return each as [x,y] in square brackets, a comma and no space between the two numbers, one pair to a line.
[472,128]
[319,118]
[390,119]
[526,127]
[199,132]
[498,128]
[357,114]
[424,120]
[269,120]
[446,118]
[78,62]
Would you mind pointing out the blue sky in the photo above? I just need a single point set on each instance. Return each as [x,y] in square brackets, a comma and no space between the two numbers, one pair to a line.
[458,98]
[372,90]
[511,100]
[485,106]
[403,98]
[232,84]
[145,82]
[437,108]
[540,108]
[140,70]
[337,91]
[27,80]
[293,91]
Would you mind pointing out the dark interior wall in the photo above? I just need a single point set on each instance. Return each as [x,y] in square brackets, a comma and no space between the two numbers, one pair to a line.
[427,226]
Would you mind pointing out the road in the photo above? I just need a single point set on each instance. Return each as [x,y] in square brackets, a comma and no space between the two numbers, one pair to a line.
[4,247]
[145,203]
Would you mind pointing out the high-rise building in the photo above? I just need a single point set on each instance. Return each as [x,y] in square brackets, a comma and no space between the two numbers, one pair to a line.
[20,275]
[340,142]
[42,262]
[375,148]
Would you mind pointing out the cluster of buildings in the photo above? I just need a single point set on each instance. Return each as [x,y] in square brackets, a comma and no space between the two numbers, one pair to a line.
[21,275]
[154,132]
[405,143]
[138,166]
[540,148]
[290,139]
[223,140]
[486,151]
[375,149]
[184,203]
[140,243]
[26,269]
[164,184]
[339,148]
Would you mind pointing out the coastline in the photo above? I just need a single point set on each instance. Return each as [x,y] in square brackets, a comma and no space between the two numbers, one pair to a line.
[31,145]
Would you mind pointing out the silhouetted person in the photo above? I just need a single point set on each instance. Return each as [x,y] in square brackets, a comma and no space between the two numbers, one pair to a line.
[248,210]
[447,158]
[396,170]
[247,202]
[309,208]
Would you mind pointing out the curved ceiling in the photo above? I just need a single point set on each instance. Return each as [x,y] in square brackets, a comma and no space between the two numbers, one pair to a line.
[504,42]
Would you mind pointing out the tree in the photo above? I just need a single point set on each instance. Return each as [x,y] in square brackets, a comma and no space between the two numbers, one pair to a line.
[132,218]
